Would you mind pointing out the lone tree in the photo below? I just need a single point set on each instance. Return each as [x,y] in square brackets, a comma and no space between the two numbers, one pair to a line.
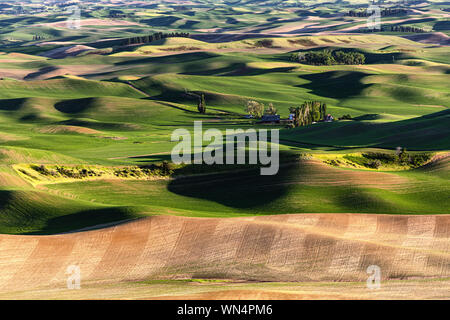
[202,104]
[255,108]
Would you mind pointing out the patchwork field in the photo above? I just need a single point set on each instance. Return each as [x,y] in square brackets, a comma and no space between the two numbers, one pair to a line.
[86,178]
[291,252]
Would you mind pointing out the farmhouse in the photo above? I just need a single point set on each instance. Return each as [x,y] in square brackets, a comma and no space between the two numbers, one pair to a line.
[270,118]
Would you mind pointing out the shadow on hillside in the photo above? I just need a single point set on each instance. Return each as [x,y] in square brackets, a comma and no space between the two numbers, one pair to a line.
[40,72]
[429,132]
[160,92]
[164,21]
[360,200]
[189,24]
[85,219]
[176,58]
[239,187]
[239,69]
[99,125]
[75,105]
[12,104]
[335,84]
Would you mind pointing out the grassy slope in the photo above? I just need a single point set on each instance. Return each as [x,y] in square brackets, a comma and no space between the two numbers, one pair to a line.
[74,121]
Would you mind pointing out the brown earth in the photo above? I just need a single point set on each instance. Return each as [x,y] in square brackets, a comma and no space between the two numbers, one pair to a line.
[310,248]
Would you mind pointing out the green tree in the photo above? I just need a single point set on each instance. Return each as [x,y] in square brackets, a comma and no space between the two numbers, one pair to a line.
[255,108]
[308,112]
[202,104]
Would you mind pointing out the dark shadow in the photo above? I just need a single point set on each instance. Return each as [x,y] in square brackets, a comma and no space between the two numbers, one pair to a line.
[75,105]
[164,21]
[231,20]
[176,58]
[429,132]
[168,94]
[98,125]
[5,198]
[360,200]
[40,72]
[239,187]
[368,117]
[12,104]
[442,26]
[85,219]
[32,117]
[335,84]
[238,69]
[189,24]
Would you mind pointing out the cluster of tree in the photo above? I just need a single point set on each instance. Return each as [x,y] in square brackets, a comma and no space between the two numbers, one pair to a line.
[264,43]
[403,29]
[388,12]
[257,109]
[401,157]
[308,112]
[349,57]
[154,37]
[254,108]
[328,57]
[36,37]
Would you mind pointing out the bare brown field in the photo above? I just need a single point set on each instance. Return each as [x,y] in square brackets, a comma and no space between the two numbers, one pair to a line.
[249,253]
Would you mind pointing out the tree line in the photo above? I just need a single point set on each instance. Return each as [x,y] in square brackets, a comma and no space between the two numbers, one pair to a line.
[154,37]
[403,29]
[328,57]
[396,29]
[384,13]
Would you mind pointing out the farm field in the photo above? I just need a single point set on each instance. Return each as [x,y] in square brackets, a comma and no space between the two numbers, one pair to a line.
[281,257]
[87,179]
